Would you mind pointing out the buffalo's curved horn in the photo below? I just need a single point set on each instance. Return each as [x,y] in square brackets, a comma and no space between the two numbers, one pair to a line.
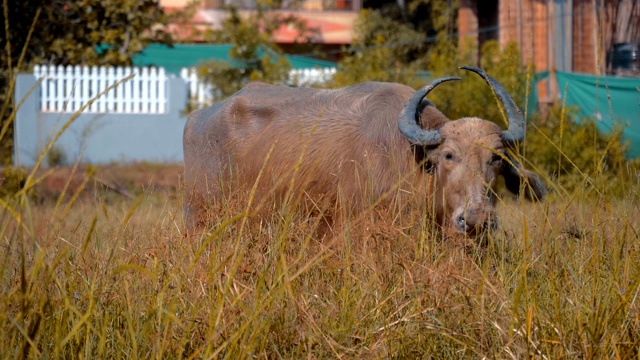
[408,119]
[516,130]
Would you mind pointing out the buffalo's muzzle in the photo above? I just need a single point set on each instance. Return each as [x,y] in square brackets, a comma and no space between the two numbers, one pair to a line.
[473,222]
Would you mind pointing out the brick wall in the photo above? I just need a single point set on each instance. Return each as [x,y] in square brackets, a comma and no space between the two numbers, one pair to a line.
[468,24]
[522,21]
[540,28]
[530,23]
[526,22]
[508,20]
[585,32]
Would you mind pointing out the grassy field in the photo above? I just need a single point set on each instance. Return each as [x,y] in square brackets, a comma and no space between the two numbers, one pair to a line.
[98,267]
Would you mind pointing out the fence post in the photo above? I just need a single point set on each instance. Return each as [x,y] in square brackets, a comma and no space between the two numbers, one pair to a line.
[60,88]
[37,73]
[131,89]
[111,95]
[79,88]
[162,81]
[194,84]
[153,90]
[120,90]
[144,90]
[69,88]
[93,78]
[102,84]
[48,100]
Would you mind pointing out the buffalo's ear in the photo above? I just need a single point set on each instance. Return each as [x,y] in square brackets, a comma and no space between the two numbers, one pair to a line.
[518,179]
[421,155]
[430,117]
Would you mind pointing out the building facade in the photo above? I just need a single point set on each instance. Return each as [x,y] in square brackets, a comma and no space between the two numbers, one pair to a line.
[331,20]
[563,35]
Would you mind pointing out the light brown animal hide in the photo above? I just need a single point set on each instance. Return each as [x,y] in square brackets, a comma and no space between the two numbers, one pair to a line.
[328,147]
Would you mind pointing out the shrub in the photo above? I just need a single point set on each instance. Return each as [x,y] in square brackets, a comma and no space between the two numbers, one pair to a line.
[575,154]
[471,97]
[56,156]
[12,180]
[382,50]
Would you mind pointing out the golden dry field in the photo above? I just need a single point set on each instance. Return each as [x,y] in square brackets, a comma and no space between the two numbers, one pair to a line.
[96,266]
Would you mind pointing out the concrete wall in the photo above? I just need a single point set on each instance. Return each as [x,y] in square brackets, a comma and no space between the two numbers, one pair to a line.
[103,137]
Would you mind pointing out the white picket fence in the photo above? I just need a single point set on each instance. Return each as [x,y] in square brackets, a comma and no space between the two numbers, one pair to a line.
[199,92]
[67,89]
[310,77]
[203,93]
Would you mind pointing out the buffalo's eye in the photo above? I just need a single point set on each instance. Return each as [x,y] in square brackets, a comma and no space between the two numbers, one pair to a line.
[449,156]
[496,159]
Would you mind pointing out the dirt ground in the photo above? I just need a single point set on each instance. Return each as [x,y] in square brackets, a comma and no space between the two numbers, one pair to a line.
[128,180]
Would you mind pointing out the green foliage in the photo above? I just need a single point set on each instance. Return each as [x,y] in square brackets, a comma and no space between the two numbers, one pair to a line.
[429,17]
[372,64]
[6,138]
[11,181]
[56,156]
[390,41]
[382,50]
[472,96]
[228,79]
[255,56]
[576,155]
[71,32]
[401,39]
[442,15]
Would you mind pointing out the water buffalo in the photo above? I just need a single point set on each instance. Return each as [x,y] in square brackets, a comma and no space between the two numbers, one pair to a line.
[355,145]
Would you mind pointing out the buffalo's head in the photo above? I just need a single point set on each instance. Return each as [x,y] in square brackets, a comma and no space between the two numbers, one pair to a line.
[466,157]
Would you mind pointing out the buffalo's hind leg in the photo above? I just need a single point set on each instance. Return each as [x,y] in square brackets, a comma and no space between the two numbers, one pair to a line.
[195,211]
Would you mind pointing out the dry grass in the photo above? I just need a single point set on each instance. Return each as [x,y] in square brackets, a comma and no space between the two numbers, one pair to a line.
[95,266]
[112,276]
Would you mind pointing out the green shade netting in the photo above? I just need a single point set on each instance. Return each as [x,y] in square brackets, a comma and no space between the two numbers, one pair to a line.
[611,101]
[189,55]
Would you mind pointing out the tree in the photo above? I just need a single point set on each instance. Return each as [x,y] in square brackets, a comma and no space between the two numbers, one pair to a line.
[255,56]
[430,17]
[62,32]
[391,40]
[91,32]
[472,97]
[382,50]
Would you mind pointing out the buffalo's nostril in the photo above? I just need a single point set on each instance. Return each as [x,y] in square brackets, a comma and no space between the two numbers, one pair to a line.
[490,224]
[461,223]
[474,222]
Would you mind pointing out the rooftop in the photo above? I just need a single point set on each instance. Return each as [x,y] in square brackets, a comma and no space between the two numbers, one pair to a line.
[188,55]
[331,19]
